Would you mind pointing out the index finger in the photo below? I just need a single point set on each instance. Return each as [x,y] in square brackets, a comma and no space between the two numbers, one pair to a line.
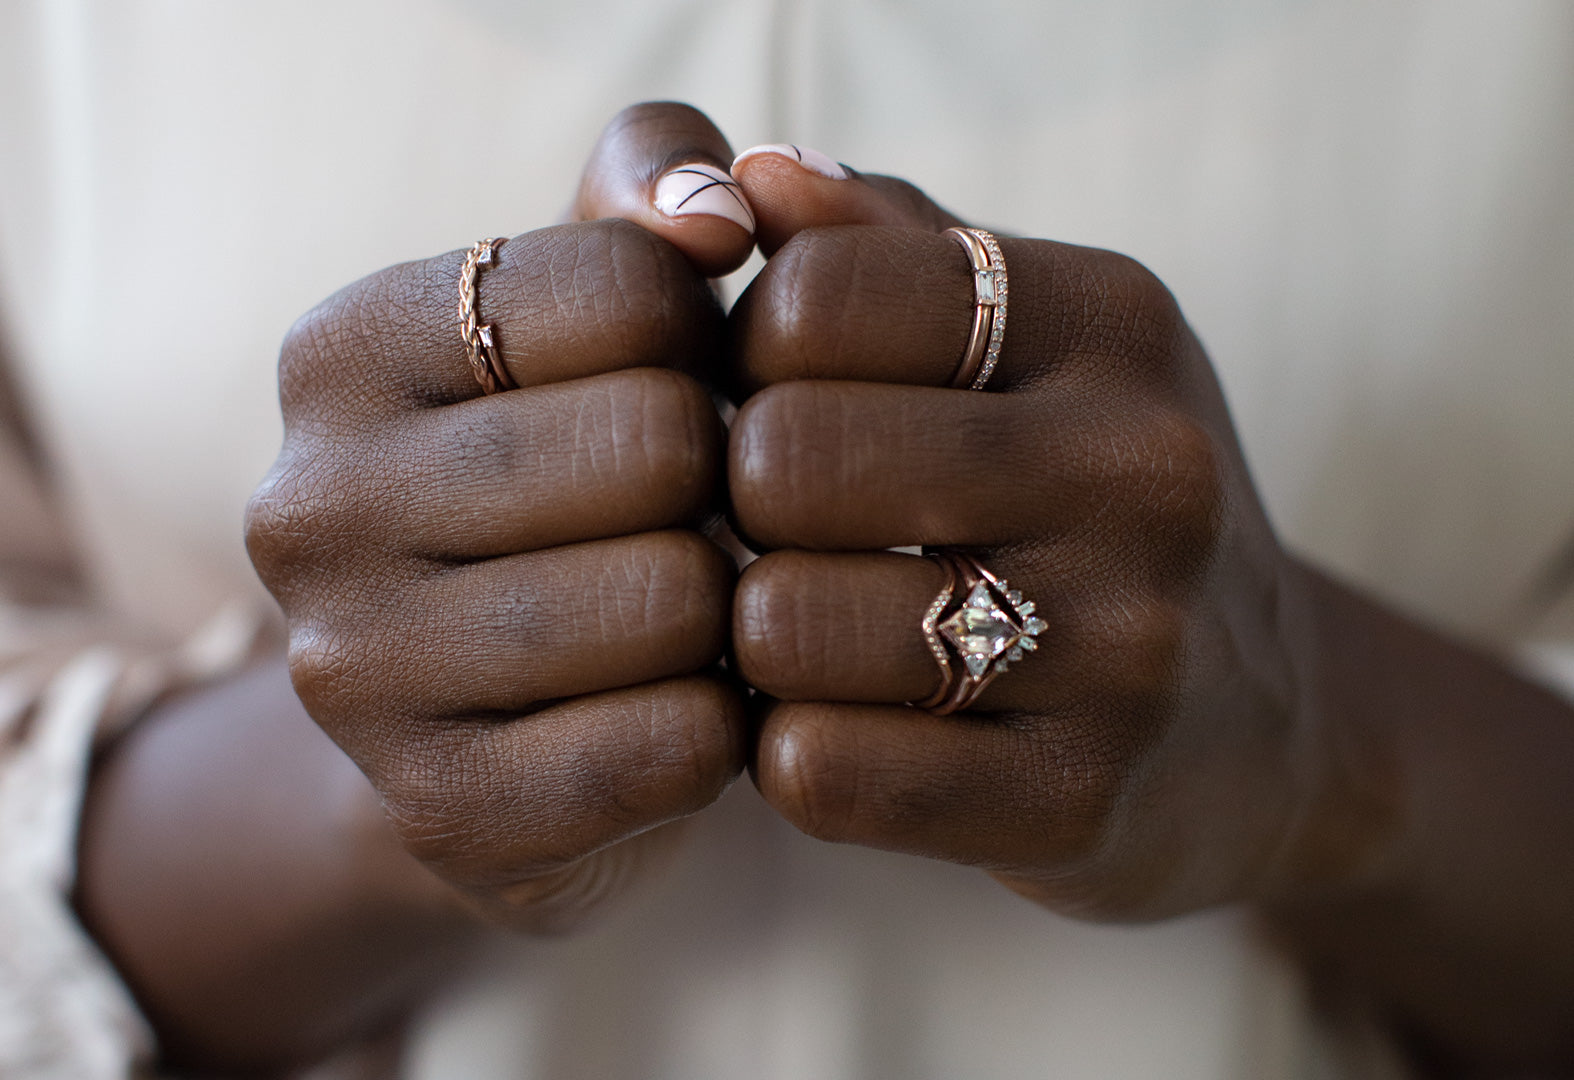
[896,305]
[563,302]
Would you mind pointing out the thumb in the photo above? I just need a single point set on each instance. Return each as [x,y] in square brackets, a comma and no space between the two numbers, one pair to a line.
[663,166]
[793,188]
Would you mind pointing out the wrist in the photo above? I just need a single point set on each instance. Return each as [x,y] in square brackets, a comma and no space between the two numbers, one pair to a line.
[1344,825]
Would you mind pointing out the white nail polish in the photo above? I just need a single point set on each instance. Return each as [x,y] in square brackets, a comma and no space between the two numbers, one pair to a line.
[703,189]
[813,160]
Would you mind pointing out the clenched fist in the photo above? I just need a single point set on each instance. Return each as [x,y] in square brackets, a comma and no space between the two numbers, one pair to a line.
[502,606]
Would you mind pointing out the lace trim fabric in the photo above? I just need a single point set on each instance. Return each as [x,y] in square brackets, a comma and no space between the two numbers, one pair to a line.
[64,1013]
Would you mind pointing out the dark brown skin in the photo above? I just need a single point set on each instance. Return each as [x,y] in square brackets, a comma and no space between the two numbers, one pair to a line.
[505,612]
[1209,720]
[245,882]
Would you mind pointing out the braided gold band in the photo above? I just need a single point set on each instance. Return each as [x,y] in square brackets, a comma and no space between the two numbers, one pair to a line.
[480,342]
[982,354]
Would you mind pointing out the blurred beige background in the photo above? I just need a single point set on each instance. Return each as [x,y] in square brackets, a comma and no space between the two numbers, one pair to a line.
[1366,210]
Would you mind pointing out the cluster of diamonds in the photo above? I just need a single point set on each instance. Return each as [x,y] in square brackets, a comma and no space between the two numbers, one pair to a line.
[989,287]
[994,626]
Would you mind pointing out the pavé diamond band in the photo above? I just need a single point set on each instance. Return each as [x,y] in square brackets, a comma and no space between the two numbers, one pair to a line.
[990,627]
[982,354]
[480,341]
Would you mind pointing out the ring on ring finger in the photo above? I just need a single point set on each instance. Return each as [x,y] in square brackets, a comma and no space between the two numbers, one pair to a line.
[990,627]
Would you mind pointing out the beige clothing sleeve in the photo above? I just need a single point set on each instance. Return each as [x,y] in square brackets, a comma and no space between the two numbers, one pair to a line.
[69,679]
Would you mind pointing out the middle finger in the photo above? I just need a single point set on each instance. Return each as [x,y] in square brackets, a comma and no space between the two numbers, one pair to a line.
[862,466]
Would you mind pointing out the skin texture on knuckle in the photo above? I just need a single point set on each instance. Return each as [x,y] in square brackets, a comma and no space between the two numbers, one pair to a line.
[793,307]
[333,682]
[1130,655]
[1135,317]
[757,443]
[1073,803]
[772,468]
[663,430]
[491,805]
[805,776]
[320,514]
[1155,487]
[779,637]
[337,355]
[685,584]
[807,314]
[624,282]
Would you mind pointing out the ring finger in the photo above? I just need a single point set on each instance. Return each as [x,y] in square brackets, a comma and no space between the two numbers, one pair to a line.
[863,466]
[846,627]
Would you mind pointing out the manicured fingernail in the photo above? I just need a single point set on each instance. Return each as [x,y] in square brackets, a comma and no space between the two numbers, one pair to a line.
[812,160]
[703,189]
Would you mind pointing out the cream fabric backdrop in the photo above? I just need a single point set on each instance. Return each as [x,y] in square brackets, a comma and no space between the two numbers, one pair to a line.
[1367,211]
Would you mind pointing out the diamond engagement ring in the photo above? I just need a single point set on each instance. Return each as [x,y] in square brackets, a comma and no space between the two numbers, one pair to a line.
[982,354]
[990,628]
[480,342]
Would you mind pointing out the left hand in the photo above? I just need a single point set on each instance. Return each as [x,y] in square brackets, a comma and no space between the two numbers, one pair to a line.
[1154,755]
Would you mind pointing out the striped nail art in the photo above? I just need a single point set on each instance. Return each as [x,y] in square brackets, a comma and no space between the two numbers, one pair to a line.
[703,189]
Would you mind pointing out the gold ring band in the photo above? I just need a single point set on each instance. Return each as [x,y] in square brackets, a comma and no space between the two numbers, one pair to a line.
[982,354]
[481,347]
[990,628]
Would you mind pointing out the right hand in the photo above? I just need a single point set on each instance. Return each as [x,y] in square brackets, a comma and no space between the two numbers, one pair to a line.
[501,607]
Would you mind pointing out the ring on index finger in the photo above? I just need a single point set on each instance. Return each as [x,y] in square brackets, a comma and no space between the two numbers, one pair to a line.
[480,341]
[982,354]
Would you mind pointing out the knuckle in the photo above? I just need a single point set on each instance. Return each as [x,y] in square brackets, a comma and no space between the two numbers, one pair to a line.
[441,804]
[1136,314]
[664,423]
[328,675]
[684,581]
[645,293]
[798,306]
[1082,777]
[1137,646]
[305,514]
[337,343]
[1153,651]
[272,530]
[776,647]
[767,469]
[806,315]
[1164,472]
[307,345]
[283,523]
[1194,509]
[806,777]
[697,746]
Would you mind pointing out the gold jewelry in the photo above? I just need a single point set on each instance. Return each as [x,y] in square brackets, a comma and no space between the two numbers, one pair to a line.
[991,628]
[480,341]
[982,354]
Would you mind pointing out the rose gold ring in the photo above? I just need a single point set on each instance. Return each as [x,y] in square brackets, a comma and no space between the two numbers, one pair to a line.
[480,340]
[990,628]
[982,354]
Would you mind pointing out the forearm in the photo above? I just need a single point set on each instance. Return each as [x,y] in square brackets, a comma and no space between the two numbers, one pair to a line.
[1437,871]
[237,868]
